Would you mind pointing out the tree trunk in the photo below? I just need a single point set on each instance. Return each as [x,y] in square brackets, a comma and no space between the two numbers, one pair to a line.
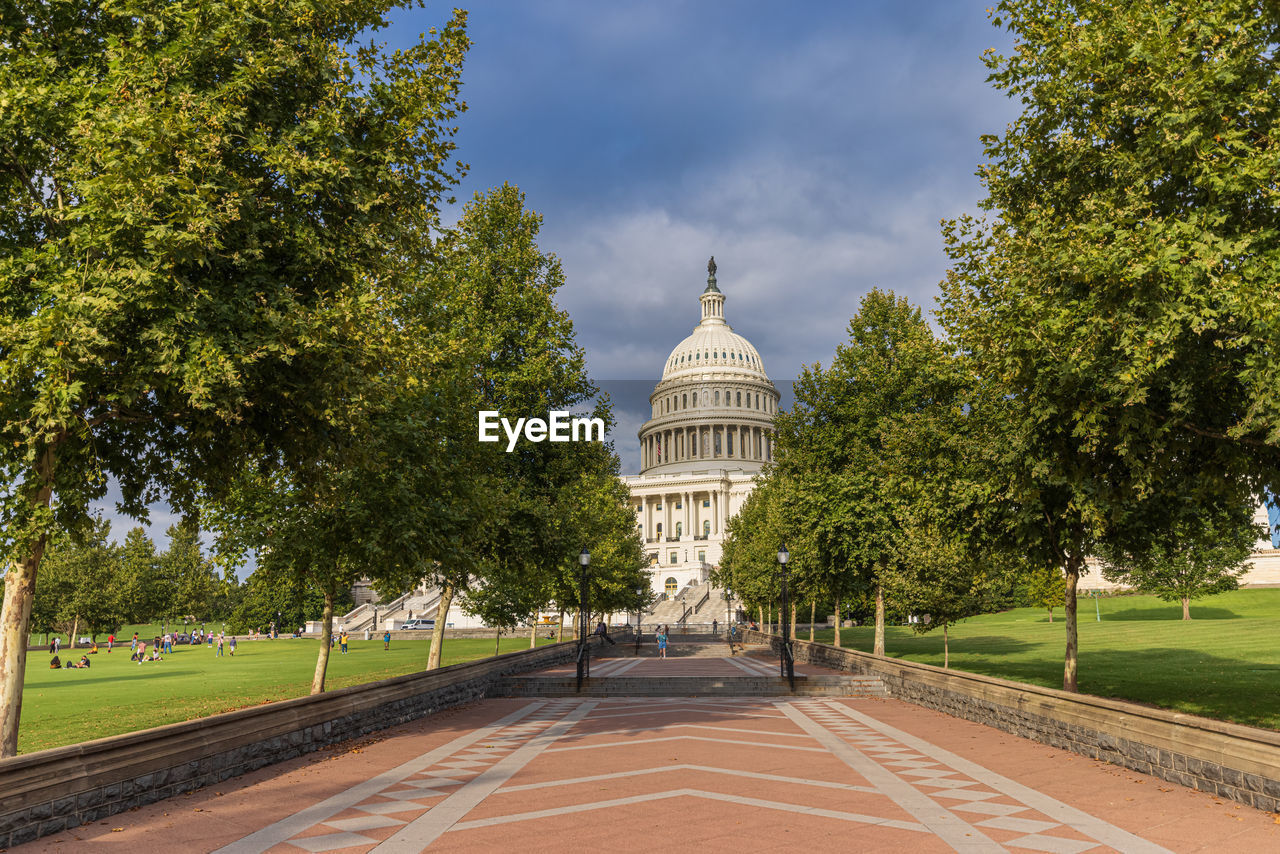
[533,632]
[946,648]
[838,615]
[560,620]
[75,630]
[813,615]
[763,626]
[1186,608]
[15,616]
[326,634]
[878,648]
[1051,615]
[437,634]
[497,642]
[1071,663]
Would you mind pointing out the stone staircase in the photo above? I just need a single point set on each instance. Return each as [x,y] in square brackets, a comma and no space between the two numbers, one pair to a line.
[689,686]
[694,646]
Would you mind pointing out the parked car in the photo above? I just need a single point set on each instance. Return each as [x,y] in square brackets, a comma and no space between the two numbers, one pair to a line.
[420,625]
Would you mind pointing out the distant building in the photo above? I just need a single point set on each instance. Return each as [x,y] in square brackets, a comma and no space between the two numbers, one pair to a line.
[709,433]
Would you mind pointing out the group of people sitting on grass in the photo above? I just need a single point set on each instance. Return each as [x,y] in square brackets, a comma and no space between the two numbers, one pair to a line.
[56,663]
[140,652]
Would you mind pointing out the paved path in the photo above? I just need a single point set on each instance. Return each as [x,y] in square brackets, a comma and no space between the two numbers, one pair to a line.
[686,774]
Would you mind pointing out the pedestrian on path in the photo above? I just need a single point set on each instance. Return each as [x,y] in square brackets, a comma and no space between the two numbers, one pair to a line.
[662,642]
[715,627]
[603,631]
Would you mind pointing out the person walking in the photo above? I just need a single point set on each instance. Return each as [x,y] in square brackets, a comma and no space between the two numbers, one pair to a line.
[386,639]
[603,631]
[233,646]
[343,640]
[220,640]
[715,627]
[662,642]
[111,639]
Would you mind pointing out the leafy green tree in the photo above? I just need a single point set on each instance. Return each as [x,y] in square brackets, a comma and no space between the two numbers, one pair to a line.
[199,204]
[80,594]
[145,593]
[190,574]
[522,358]
[1046,588]
[834,445]
[1198,556]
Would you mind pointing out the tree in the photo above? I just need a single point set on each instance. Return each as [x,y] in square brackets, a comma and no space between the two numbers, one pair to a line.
[1120,298]
[522,358]
[1198,556]
[189,574]
[1046,588]
[80,592]
[144,592]
[834,444]
[198,205]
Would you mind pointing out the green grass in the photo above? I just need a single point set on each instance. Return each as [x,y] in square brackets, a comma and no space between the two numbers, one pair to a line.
[116,695]
[1224,663]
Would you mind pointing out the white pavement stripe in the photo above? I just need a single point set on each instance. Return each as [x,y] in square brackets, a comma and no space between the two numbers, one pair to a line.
[671,726]
[630,742]
[608,666]
[635,662]
[274,834]
[428,827]
[1107,834]
[732,772]
[763,668]
[737,662]
[950,828]
[695,793]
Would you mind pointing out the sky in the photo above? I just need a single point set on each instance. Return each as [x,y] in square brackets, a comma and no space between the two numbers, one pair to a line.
[813,149]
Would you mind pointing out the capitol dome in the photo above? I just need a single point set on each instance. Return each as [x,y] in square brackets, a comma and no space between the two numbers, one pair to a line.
[714,403]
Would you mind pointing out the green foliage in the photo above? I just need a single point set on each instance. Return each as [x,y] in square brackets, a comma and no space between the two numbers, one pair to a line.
[79,593]
[200,207]
[1118,302]
[281,597]
[145,593]
[1198,556]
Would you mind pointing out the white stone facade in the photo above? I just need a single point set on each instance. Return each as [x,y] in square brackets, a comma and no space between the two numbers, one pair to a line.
[710,432]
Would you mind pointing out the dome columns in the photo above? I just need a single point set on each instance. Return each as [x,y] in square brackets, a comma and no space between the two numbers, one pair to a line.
[715,441]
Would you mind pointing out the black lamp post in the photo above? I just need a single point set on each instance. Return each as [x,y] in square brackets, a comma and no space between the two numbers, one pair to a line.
[584,651]
[787,663]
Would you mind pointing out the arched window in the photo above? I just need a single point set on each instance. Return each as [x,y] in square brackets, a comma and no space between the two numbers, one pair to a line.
[659,524]
[684,401]
[717,397]
[706,527]
[739,398]
[671,587]
[679,529]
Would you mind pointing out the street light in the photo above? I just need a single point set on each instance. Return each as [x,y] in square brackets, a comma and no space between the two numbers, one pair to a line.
[787,663]
[584,651]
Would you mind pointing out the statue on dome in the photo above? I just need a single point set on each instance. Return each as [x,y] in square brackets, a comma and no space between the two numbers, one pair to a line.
[711,266]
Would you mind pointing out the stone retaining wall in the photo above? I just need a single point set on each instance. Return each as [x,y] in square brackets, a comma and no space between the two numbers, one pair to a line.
[51,790]
[1232,761]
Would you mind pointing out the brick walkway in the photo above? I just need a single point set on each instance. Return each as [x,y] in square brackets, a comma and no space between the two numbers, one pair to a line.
[676,774]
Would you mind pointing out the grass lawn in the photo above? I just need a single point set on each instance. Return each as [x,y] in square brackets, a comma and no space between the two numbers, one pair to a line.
[117,695]
[1224,663]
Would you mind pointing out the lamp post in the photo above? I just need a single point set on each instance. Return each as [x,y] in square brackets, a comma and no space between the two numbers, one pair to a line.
[787,664]
[584,651]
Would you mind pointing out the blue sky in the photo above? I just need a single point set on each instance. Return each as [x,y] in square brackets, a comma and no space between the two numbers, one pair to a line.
[812,149]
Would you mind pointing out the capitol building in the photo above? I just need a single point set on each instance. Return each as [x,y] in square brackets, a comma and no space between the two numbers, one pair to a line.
[709,433]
